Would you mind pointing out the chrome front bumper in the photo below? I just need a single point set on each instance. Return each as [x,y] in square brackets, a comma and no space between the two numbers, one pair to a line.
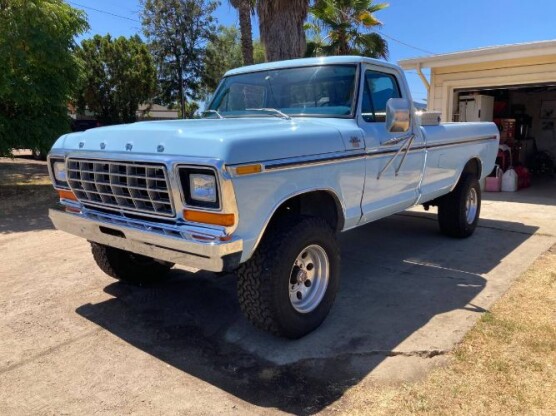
[186,245]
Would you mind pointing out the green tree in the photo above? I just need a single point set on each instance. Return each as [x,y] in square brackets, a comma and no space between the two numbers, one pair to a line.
[281,27]
[223,53]
[346,27]
[37,71]
[259,53]
[245,9]
[178,32]
[190,110]
[117,76]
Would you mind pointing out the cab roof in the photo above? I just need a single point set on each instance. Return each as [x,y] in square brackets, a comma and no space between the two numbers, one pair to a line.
[294,63]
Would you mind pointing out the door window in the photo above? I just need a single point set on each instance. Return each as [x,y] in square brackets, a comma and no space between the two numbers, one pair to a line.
[379,88]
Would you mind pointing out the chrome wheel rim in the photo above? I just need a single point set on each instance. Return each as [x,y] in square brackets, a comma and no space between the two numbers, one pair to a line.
[471,205]
[309,278]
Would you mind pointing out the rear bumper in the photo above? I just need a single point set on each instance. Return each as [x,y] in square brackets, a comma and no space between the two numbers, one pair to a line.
[170,243]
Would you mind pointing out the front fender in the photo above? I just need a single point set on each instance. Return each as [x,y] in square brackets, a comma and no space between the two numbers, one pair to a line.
[260,195]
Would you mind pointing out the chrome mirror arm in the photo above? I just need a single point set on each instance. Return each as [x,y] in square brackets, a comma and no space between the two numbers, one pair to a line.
[406,140]
[409,143]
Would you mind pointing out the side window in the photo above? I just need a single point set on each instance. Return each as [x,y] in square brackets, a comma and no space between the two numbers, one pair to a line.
[379,88]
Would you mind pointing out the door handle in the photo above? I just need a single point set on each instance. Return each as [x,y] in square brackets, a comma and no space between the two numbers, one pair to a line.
[396,140]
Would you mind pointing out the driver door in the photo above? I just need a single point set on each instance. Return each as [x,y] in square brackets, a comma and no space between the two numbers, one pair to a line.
[394,161]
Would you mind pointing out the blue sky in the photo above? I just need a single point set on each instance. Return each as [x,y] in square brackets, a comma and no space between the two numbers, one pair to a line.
[437,26]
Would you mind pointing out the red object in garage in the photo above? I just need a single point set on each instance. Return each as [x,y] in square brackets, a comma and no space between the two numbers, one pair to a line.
[507,129]
[504,157]
[523,177]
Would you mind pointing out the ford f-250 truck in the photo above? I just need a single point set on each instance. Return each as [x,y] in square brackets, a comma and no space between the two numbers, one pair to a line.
[287,155]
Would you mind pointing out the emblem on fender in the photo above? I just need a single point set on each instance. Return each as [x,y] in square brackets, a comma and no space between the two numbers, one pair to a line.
[128,147]
[355,141]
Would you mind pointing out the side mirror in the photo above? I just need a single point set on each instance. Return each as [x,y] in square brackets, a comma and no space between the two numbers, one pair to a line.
[398,115]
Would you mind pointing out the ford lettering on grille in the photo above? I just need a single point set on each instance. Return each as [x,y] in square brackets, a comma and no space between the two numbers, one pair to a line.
[121,186]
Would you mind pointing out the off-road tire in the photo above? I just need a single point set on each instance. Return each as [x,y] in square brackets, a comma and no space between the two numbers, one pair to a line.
[263,280]
[452,214]
[129,267]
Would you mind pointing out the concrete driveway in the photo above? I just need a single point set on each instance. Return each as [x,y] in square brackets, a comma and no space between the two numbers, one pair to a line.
[74,341]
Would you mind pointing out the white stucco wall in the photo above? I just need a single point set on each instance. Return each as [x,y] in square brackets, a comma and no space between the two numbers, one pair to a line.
[524,71]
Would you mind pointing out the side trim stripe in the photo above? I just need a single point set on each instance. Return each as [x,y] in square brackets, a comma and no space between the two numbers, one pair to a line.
[477,140]
[298,162]
[309,162]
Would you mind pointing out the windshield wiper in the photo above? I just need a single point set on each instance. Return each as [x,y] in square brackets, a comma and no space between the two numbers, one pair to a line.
[213,112]
[273,112]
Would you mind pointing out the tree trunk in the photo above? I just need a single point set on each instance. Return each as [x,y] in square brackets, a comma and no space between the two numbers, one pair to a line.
[343,48]
[246,32]
[281,26]
[181,87]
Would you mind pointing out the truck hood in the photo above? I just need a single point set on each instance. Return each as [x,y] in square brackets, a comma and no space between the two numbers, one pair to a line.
[234,141]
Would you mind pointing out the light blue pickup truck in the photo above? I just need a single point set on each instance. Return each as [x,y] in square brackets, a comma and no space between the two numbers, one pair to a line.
[287,155]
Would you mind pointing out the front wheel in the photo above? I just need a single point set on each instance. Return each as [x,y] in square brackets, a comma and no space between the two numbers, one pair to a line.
[129,267]
[290,283]
[458,212]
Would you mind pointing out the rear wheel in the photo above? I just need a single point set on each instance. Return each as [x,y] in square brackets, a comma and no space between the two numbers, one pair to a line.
[290,283]
[458,212]
[129,267]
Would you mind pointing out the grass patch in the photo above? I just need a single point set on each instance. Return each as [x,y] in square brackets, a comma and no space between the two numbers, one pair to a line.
[505,365]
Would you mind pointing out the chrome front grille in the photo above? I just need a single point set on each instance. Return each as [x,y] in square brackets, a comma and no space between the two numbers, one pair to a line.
[121,186]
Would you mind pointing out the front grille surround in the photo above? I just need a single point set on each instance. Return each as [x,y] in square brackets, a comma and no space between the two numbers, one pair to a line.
[134,187]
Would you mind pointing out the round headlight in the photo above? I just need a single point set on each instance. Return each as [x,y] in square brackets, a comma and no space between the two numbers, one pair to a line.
[59,169]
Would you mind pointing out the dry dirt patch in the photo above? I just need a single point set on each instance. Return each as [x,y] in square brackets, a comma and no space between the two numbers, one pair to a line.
[25,194]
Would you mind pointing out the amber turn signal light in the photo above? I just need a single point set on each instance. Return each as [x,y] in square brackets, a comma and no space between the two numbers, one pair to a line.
[248,169]
[226,220]
[65,194]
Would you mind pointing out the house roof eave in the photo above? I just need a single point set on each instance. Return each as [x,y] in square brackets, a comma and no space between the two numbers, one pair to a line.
[487,54]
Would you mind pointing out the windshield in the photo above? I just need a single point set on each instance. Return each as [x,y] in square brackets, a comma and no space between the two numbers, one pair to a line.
[318,91]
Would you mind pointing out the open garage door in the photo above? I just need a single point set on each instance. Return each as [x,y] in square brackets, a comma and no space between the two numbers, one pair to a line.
[526,118]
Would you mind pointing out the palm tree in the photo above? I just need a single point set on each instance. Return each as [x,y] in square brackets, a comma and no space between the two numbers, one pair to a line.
[346,27]
[281,26]
[245,8]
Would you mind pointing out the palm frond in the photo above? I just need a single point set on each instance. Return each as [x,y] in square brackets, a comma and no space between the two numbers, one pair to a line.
[349,24]
[367,19]
[373,45]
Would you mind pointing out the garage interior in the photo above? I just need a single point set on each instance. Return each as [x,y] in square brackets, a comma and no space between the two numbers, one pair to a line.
[526,118]
[512,85]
